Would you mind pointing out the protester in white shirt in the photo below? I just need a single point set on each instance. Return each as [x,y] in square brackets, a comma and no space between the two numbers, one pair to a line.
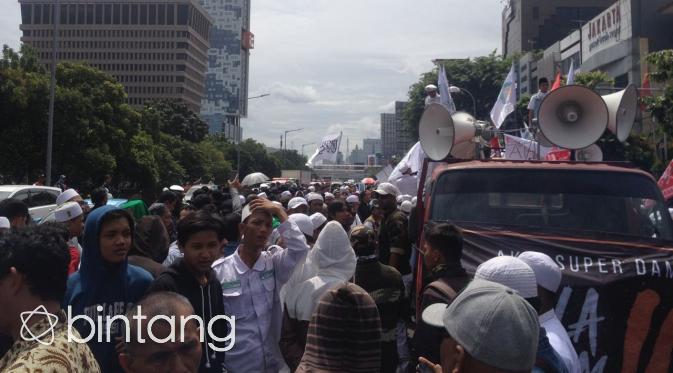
[536,100]
[548,276]
[432,95]
[251,279]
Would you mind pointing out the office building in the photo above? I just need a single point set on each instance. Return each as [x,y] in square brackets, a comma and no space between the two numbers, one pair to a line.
[373,147]
[388,135]
[529,25]
[226,97]
[357,156]
[403,139]
[155,49]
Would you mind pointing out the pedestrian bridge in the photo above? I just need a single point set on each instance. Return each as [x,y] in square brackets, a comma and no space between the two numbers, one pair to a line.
[345,171]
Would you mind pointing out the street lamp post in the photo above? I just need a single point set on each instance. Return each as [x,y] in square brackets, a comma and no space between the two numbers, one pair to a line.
[303,145]
[454,89]
[239,135]
[285,143]
[52,90]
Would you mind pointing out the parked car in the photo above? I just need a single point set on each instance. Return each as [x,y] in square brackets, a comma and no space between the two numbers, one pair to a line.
[111,202]
[40,199]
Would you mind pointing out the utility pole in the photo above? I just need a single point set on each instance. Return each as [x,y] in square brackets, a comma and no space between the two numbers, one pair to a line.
[52,90]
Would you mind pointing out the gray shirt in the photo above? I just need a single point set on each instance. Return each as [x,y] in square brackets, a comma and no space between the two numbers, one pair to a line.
[534,103]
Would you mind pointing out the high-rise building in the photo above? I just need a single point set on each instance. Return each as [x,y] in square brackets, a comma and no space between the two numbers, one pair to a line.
[226,97]
[357,156]
[403,141]
[373,147]
[388,135]
[156,49]
[536,24]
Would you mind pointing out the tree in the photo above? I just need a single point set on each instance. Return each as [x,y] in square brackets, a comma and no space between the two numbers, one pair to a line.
[290,159]
[592,79]
[482,76]
[175,118]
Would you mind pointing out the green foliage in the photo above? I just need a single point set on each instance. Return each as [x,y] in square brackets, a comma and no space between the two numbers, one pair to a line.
[481,76]
[97,133]
[592,79]
[290,159]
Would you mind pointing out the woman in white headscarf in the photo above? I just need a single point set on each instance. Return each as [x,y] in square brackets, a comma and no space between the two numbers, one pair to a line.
[333,260]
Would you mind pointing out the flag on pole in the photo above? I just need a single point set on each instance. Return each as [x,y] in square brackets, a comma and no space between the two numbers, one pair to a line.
[506,100]
[444,93]
[557,82]
[328,150]
[571,73]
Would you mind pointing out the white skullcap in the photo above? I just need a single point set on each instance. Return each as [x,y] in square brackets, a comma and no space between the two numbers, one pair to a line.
[352,199]
[177,188]
[303,223]
[66,196]
[406,207]
[314,196]
[343,189]
[414,201]
[404,197]
[296,202]
[263,195]
[67,212]
[318,219]
[4,223]
[547,272]
[264,185]
[247,212]
[311,188]
[286,194]
[430,87]
[511,272]
[329,195]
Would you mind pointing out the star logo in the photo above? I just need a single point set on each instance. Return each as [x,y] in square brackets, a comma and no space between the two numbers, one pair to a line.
[28,335]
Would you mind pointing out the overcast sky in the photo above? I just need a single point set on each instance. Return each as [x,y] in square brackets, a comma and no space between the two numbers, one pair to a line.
[335,65]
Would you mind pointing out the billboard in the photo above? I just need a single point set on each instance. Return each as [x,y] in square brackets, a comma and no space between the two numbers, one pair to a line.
[607,29]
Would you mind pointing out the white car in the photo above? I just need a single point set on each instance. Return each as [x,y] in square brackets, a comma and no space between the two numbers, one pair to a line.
[39,199]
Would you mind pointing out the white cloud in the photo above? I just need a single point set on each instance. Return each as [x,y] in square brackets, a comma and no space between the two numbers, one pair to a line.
[294,94]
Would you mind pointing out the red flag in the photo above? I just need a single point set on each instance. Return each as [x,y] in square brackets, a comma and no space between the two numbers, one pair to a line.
[666,182]
[557,82]
[558,154]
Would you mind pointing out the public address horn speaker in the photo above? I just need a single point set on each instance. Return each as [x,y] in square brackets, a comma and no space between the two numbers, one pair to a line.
[573,117]
[439,133]
[622,108]
[592,153]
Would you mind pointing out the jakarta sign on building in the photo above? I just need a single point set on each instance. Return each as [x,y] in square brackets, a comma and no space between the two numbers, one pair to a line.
[607,29]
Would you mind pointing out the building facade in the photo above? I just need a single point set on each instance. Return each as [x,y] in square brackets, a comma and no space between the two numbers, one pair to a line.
[373,147]
[535,24]
[156,49]
[388,135]
[226,97]
[403,140]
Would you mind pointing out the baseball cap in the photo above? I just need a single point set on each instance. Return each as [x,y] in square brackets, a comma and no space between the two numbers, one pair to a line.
[547,272]
[296,202]
[387,188]
[362,236]
[318,219]
[66,196]
[67,211]
[247,212]
[492,322]
[314,196]
[352,199]
[303,222]
[4,223]
[511,272]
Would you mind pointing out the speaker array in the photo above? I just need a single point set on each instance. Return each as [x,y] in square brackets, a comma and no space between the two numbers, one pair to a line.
[571,117]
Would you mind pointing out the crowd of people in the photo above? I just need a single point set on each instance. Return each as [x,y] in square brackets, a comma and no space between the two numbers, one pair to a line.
[313,278]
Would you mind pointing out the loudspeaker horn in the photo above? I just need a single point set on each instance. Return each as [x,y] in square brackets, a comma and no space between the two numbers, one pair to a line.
[622,108]
[439,132]
[592,153]
[573,117]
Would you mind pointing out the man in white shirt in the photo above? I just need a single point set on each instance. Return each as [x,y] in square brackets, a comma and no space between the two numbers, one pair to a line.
[548,276]
[432,95]
[251,279]
[536,100]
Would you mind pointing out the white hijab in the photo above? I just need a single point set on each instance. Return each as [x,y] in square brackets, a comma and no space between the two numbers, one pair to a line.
[333,261]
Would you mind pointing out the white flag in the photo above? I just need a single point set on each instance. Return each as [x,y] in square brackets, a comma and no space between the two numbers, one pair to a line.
[444,94]
[506,100]
[571,73]
[328,150]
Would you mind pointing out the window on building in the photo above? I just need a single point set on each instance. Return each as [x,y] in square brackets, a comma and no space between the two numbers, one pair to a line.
[26,14]
[536,12]
[46,14]
[37,19]
[125,14]
[170,14]
[117,14]
[108,14]
[89,14]
[152,14]
[143,14]
[162,14]
[134,14]
[183,14]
